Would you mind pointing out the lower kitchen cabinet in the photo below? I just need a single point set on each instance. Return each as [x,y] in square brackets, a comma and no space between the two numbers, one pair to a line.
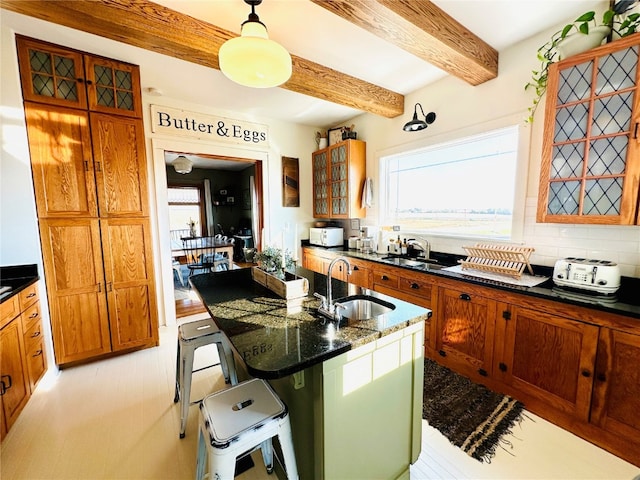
[464,331]
[549,357]
[616,393]
[14,389]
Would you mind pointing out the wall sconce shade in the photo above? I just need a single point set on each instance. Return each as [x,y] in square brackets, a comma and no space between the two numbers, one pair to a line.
[252,59]
[182,164]
[414,125]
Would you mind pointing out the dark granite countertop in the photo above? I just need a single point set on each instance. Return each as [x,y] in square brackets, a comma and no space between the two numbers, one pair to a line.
[17,278]
[625,302]
[274,340]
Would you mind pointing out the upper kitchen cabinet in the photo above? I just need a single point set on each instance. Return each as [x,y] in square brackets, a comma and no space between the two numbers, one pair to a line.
[338,178]
[591,164]
[59,76]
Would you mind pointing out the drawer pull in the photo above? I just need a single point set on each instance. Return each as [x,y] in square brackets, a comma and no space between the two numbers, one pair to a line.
[482,372]
[36,334]
[33,315]
[37,354]
[415,285]
[586,373]
[355,269]
[384,277]
[465,296]
[442,353]
[601,377]
[31,295]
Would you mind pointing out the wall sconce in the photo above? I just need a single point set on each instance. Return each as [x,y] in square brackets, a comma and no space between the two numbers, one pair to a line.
[252,59]
[415,124]
[182,164]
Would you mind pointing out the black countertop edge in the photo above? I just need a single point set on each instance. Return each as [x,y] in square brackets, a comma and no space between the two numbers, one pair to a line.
[625,302]
[274,342]
[17,277]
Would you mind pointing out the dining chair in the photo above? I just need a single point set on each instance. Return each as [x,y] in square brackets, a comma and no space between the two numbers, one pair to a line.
[201,255]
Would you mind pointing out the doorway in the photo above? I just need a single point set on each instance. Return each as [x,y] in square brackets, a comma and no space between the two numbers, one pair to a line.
[213,195]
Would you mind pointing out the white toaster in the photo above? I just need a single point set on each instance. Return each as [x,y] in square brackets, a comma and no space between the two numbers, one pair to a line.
[601,276]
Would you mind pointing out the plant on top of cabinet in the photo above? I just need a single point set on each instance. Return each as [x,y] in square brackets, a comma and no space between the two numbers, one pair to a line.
[579,36]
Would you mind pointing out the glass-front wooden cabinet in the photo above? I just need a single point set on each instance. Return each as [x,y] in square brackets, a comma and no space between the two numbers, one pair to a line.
[591,165]
[338,179]
[65,77]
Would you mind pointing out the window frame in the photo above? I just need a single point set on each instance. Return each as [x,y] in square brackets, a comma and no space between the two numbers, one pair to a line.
[520,181]
[201,203]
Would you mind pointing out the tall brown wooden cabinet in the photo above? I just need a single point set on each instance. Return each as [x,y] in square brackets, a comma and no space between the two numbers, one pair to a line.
[86,140]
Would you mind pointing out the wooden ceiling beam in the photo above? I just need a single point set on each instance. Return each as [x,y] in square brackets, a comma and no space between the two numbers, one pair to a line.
[423,29]
[154,27]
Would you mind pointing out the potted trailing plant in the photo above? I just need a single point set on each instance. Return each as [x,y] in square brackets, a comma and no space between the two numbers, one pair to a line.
[580,35]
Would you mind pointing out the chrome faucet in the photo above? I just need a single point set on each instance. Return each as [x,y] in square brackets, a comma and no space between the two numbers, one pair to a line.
[422,245]
[327,306]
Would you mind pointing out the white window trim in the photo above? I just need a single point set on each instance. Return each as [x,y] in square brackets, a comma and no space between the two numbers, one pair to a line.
[520,186]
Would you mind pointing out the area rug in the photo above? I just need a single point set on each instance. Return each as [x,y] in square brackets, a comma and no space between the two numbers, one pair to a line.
[472,417]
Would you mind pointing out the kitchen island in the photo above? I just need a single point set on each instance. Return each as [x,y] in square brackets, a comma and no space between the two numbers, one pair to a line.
[354,389]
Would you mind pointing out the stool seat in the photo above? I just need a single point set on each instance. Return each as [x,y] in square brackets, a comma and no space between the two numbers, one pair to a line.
[191,336]
[236,421]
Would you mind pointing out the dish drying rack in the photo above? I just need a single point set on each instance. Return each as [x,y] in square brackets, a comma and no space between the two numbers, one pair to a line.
[505,259]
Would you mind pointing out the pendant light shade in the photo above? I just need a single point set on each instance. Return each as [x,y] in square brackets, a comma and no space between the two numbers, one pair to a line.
[182,164]
[415,124]
[252,59]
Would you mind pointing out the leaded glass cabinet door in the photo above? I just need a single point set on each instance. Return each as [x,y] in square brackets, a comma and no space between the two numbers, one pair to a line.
[339,181]
[320,184]
[113,87]
[590,167]
[51,74]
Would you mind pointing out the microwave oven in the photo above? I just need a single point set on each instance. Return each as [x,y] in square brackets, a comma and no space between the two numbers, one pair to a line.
[327,236]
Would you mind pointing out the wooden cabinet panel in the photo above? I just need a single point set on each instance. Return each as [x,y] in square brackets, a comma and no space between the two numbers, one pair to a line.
[15,388]
[61,161]
[384,278]
[9,310]
[465,325]
[28,296]
[121,166]
[616,396]
[360,273]
[77,304]
[313,262]
[51,74]
[128,263]
[551,358]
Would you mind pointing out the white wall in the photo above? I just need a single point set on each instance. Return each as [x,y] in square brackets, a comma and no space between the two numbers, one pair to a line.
[462,110]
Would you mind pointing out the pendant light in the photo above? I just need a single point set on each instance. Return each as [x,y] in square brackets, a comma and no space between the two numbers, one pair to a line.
[415,124]
[182,164]
[252,59]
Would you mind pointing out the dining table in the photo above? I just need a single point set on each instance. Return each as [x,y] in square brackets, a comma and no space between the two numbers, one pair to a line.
[219,245]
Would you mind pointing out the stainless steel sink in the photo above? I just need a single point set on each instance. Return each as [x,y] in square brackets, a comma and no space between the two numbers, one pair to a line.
[408,262]
[362,307]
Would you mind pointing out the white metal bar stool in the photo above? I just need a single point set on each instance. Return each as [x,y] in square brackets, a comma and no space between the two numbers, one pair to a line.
[191,336]
[235,422]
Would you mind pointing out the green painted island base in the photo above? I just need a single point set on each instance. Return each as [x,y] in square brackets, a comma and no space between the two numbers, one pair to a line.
[359,415]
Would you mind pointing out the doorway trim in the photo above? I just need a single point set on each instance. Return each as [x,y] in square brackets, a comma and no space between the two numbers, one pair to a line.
[160,222]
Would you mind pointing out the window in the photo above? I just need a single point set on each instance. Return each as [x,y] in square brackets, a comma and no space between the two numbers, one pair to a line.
[185,204]
[464,187]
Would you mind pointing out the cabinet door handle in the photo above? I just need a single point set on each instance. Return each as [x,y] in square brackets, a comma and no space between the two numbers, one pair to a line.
[442,353]
[109,286]
[483,372]
[80,80]
[465,296]
[37,354]
[35,334]
[97,167]
[3,388]
[355,269]
[635,131]
[502,367]
[9,383]
[33,315]
[86,165]
[384,277]
[586,373]
[31,295]
[99,287]
[415,285]
[601,377]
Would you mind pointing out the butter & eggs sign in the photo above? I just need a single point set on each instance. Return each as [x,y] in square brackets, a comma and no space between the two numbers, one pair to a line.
[172,121]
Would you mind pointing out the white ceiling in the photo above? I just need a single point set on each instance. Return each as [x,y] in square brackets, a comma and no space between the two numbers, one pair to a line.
[309,31]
